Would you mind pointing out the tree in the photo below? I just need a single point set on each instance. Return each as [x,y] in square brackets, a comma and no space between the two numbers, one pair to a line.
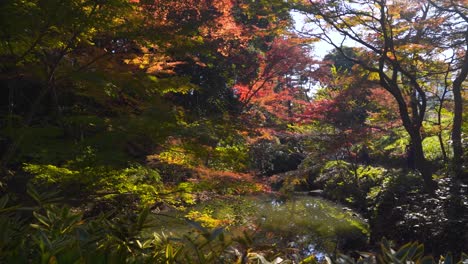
[50,45]
[396,38]
[457,43]
[340,61]
[342,102]
[280,88]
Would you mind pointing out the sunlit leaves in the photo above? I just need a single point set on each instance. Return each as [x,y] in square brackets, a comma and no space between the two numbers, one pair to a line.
[281,86]
[137,180]
[54,27]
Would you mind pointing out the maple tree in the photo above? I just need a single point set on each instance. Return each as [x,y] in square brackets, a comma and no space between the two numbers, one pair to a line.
[341,108]
[281,85]
[215,43]
[125,103]
[343,97]
[128,56]
[397,39]
[39,55]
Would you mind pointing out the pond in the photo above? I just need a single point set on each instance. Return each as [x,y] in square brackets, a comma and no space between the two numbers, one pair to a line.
[302,224]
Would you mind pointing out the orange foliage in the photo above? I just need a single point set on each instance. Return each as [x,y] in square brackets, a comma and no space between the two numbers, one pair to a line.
[278,87]
[209,174]
[228,182]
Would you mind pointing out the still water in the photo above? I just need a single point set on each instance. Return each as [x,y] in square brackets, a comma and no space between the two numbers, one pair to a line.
[302,224]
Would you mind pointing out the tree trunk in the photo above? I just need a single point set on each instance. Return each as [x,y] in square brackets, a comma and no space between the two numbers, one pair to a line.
[458,118]
[456,133]
[439,123]
[412,126]
[421,163]
[442,146]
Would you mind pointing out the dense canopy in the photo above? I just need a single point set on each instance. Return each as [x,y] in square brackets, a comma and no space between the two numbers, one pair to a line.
[115,114]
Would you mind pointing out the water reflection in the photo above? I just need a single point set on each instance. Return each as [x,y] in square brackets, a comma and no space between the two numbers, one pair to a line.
[303,225]
[309,224]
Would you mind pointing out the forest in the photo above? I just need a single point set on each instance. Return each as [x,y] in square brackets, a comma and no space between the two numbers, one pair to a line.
[213,131]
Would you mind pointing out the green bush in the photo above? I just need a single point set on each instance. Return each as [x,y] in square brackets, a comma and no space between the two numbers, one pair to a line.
[350,183]
[138,181]
[230,157]
[409,253]
[47,232]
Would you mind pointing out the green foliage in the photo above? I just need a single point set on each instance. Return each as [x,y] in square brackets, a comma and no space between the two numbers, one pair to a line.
[395,186]
[41,143]
[138,181]
[230,157]
[433,130]
[180,85]
[54,28]
[180,155]
[350,183]
[228,212]
[206,219]
[395,143]
[91,89]
[45,232]
[399,210]
[431,146]
[276,155]
[341,63]
[58,234]
[408,253]
[223,183]
[114,141]
[216,144]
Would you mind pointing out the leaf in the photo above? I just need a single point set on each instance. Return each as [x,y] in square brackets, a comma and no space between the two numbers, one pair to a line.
[169,252]
[142,217]
[329,260]
[310,259]
[137,241]
[404,251]
[419,252]
[343,259]
[44,220]
[3,201]
[414,252]
[34,194]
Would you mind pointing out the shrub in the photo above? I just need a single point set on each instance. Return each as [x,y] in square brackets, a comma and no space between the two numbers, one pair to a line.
[400,211]
[138,181]
[349,183]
